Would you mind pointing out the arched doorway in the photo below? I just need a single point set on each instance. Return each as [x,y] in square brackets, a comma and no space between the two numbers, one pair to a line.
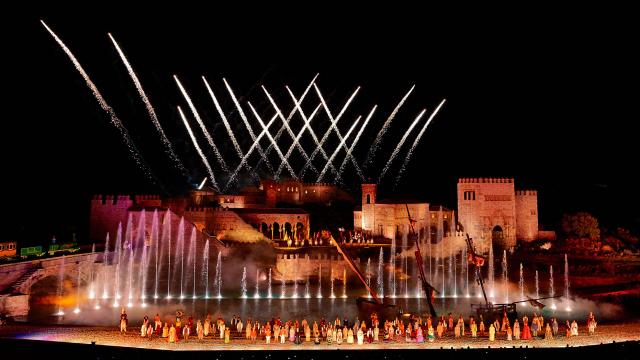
[264,228]
[276,231]
[497,238]
[288,230]
[300,231]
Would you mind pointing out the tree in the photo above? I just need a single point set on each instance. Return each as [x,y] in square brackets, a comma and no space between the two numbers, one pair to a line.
[581,225]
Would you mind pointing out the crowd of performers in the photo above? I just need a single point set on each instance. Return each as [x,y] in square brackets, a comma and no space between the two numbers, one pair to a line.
[416,329]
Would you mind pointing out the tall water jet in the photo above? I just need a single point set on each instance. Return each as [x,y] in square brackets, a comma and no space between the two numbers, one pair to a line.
[552,290]
[381,273]
[466,267]
[521,283]
[105,266]
[243,283]
[77,309]
[269,294]
[155,242]
[332,293]
[256,295]
[140,242]
[344,282]
[166,239]
[295,286]
[392,264]
[142,266]
[566,281]
[283,288]
[319,282]
[118,255]
[180,247]
[193,258]
[369,274]
[492,284]
[129,246]
[218,280]
[307,291]
[537,286]
[60,311]
[205,269]
[505,276]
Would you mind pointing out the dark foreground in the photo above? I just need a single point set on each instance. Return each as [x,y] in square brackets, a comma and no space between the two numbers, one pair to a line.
[32,349]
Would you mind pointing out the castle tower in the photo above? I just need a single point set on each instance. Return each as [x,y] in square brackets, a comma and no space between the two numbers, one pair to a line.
[527,215]
[368,206]
[487,211]
[106,212]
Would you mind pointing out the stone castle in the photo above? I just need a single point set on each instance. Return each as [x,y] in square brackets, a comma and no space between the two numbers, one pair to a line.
[490,210]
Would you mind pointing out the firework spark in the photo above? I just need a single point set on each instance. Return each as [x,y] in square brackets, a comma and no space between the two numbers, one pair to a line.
[387,123]
[399,145]
[223,164]
[416,141]
[152,113]
[355,142]
[195,144]
[335,152]
[133,150]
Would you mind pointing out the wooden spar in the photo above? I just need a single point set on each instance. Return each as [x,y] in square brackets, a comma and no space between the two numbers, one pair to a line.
[355,269]
[428,289]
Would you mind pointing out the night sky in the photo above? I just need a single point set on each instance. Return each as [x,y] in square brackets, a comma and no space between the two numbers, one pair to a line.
[550,100]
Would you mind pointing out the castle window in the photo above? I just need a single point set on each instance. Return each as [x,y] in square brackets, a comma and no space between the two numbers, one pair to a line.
[533,212]
[368,198]
[469,195]
[305,191]
[296,189]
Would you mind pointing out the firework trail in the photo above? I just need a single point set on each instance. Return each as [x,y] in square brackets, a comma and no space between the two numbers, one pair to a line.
[223,164]
[355,142]
[335,152]
[313,133]
[195,144]
[285,122]
[247,125]
[376,143]
[416,141]
[282,128]
[307,125]
[234,141]
[402,140]
[255,113]
[334,122]
[133,150]
[152,113]
[253,146]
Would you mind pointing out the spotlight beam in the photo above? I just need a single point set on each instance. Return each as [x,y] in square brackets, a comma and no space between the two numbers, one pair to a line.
[282,128]
[243,116]
[234,141]
[334,122]
[313,133]
[335,152]
[195,144]
[219,157]
[416,141]
[133,150]
[355,142]
[399,145]
[376,143]
[255,113]
[152,113]
[285,122]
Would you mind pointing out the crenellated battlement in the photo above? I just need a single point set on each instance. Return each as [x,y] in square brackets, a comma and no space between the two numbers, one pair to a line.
[526,193]
[110,199]
[202,209]
[486,181]
[146,197]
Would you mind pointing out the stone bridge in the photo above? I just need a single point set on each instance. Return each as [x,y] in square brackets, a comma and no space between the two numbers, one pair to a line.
[17,279]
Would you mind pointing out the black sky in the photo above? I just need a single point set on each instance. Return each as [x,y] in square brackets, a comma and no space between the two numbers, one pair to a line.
[547,98]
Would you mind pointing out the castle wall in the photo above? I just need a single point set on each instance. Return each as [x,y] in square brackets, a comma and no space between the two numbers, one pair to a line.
[526,215]
[106,212]
[485,205]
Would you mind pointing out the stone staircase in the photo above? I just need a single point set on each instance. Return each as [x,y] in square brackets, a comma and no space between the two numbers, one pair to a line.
[16,287]
[240,231]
